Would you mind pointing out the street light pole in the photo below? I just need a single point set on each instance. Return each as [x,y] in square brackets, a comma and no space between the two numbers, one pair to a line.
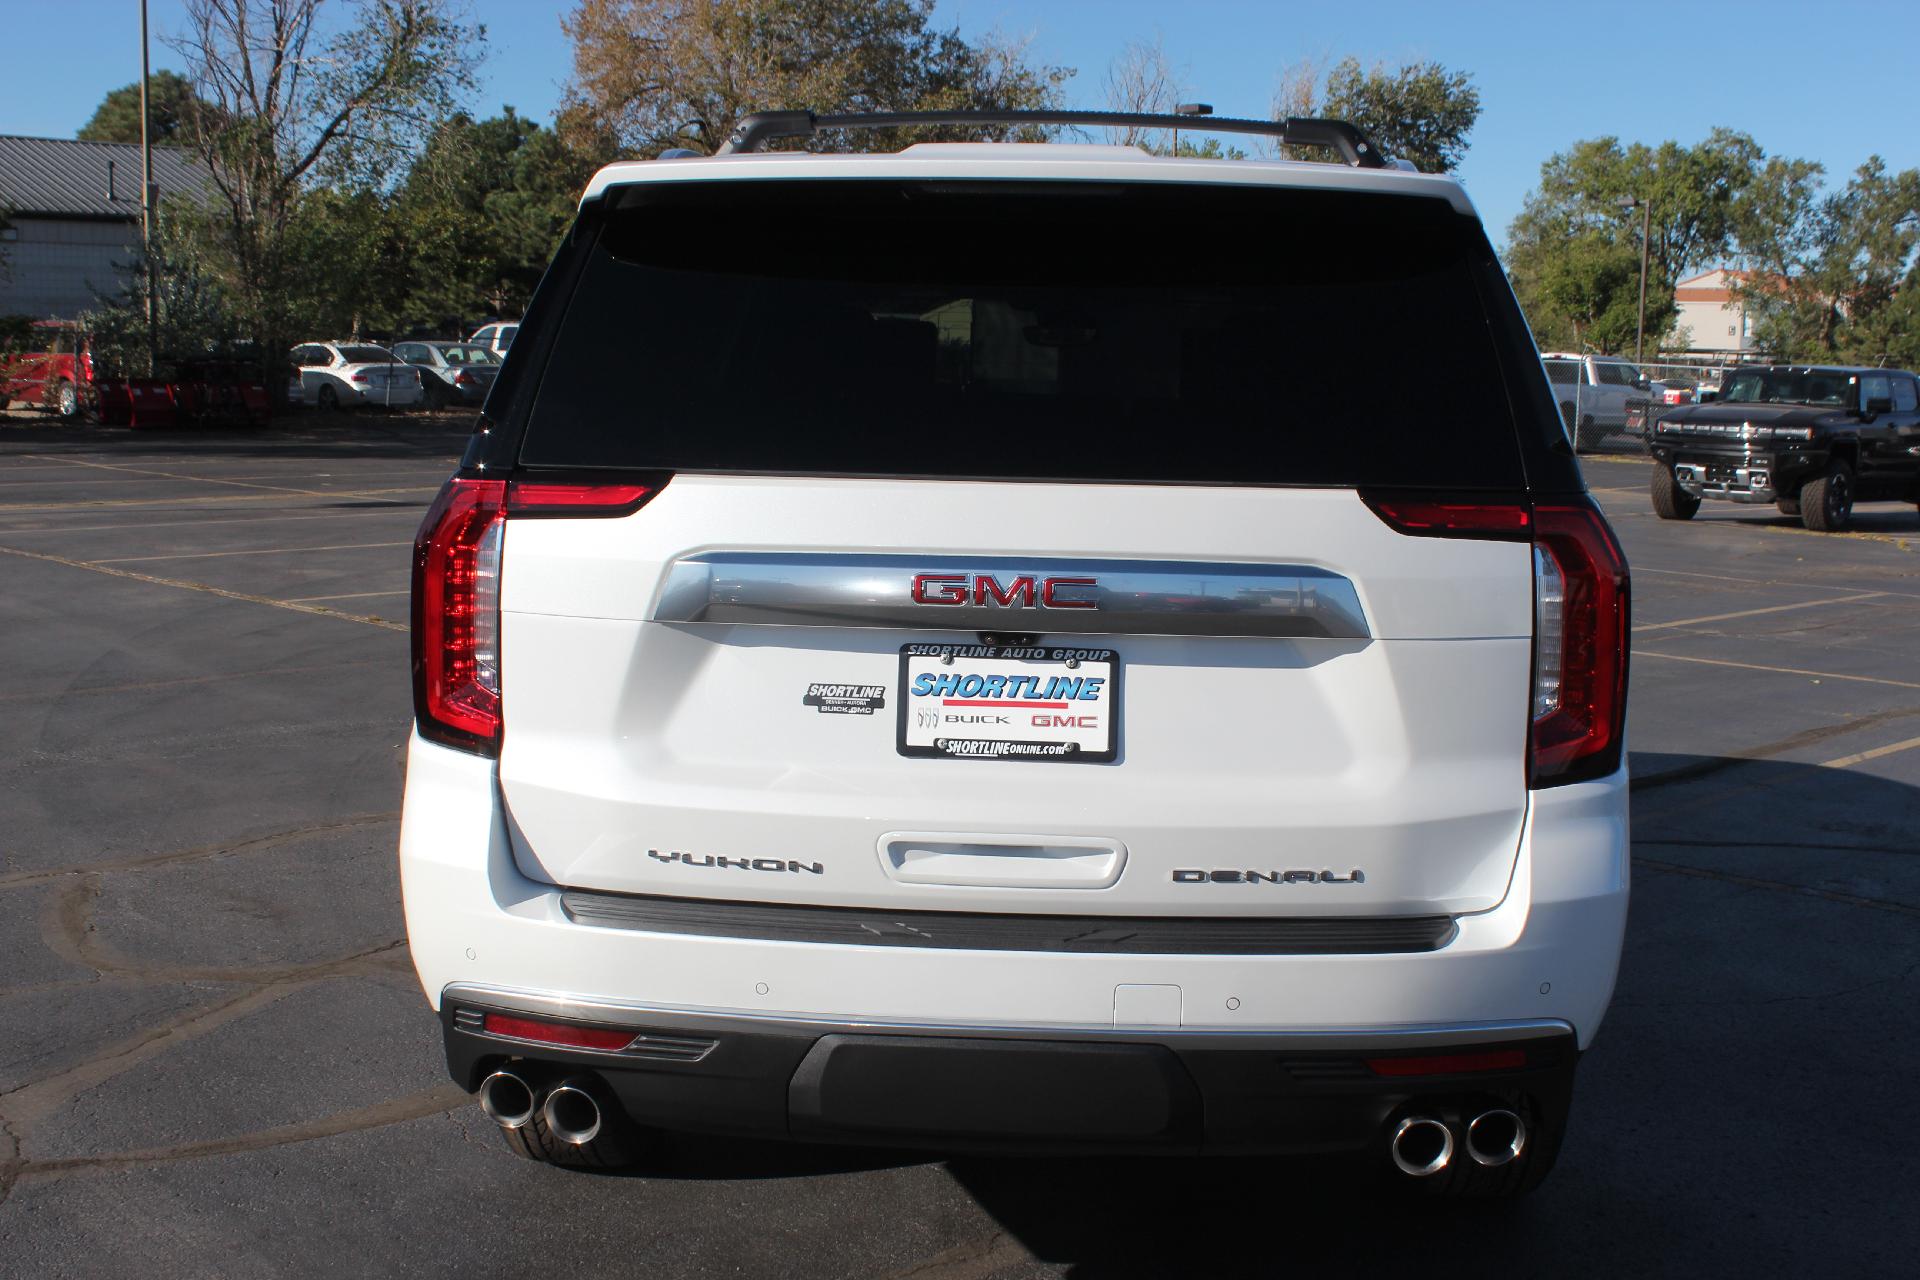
[1630,203]
[1640,329]
[146,203]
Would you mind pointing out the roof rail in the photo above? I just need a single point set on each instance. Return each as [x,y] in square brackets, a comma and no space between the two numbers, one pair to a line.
[1354,146]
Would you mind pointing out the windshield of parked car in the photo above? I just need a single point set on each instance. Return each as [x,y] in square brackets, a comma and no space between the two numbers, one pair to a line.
[366,355]
[469,355]
[1790,386]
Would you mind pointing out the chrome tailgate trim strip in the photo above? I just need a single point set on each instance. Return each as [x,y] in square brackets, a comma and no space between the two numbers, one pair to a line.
[1035,594]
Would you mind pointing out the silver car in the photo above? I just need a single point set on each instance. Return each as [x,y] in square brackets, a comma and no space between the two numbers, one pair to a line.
[452,372]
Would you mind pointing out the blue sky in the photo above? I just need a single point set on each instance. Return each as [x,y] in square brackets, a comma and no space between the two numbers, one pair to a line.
[1833,82]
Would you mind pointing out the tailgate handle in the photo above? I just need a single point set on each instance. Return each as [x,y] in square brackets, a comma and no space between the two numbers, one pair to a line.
[1001,861]
[1040,594]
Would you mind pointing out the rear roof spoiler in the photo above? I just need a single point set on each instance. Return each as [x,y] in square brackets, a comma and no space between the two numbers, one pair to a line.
[1354,146]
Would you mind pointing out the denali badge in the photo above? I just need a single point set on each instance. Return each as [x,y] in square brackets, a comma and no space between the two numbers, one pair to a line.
[1186,876]
[980,588]
[738,864]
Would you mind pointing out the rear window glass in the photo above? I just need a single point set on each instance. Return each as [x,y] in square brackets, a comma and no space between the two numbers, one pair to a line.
[1027,331]
[365,355]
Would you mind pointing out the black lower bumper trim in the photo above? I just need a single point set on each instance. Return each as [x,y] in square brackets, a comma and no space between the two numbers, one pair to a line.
[1132,1093]
[982,931]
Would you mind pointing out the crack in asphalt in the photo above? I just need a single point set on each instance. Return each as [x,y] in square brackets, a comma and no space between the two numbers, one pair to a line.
[1766,751]
[1779,886]
[220,849]
[440,1100]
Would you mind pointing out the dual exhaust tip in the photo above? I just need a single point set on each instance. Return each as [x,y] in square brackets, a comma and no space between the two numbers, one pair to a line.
[570,1109]
[1423,1145]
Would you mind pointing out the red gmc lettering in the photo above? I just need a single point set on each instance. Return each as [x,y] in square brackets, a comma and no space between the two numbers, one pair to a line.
[939,588]
[984,588]
[1054,721]
[1048,587]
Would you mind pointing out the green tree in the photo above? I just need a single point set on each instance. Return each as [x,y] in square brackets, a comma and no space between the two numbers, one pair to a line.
[171,105]
[191,307]
[682,73]
[1692,194]
[1417,111]
[1832,272]
[303,104]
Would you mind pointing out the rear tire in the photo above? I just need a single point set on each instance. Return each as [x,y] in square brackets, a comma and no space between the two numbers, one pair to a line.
[1587,436]
[327,400]
[1788,506]
[1670,501]
[65,401]
[1826,504]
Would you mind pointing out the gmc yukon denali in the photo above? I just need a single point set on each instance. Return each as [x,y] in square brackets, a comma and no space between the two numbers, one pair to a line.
[966,648]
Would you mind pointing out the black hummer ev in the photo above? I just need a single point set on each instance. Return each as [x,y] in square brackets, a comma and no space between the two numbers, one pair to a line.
[1812,440]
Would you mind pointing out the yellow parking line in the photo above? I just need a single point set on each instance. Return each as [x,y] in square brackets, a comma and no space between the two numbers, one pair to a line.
[131,575]
[353,595]
[1875,754]
[1785,671]
[95,504]
[238,518]
[175,475]
[250,551]
[1905,544]
[1754,613]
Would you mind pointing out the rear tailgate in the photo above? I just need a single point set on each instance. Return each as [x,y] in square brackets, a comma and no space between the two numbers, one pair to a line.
[914,412]
[1384,761]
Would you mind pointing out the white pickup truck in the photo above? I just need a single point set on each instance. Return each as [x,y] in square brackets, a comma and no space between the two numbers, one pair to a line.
[1592,392]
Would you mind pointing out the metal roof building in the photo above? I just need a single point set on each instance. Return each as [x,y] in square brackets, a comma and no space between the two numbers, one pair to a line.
[74,209]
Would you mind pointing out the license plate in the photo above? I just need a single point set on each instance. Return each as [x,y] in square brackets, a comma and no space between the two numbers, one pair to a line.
[1009,702]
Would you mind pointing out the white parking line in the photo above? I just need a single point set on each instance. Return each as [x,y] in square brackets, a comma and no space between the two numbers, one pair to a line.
[404,508]
[250,551]
[1754,613]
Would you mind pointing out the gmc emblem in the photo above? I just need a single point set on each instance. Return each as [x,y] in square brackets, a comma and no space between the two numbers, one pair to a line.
[984,588]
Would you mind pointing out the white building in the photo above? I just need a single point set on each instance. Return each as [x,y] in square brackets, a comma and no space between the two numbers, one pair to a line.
[1713,318]
[74,210]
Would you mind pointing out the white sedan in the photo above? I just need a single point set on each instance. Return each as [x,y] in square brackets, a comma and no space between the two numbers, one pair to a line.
[334,375]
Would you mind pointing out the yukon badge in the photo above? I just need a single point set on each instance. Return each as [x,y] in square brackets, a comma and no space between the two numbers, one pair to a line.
[1228,876]
[738,864]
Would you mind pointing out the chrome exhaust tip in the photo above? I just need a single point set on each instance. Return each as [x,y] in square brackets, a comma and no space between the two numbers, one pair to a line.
[507,1100]
[572,1113]
[1421,1146]
[1496,1137]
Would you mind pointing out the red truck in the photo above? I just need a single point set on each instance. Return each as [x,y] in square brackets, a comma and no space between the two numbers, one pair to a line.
[57,374]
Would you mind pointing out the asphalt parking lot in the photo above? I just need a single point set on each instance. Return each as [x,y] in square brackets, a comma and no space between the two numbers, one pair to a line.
[214,1059]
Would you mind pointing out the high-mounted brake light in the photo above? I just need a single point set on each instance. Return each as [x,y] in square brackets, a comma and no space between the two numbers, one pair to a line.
[1581,601]
[456,595]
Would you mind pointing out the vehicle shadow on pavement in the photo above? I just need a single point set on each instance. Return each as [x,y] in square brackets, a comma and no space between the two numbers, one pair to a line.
[1773,952]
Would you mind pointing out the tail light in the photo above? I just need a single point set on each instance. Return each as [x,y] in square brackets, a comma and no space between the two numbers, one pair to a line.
[360,377]
[1581,599]
[1581,616]
[464,380]
[456,595]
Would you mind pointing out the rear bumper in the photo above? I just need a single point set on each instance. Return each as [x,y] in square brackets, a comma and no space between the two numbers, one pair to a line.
[1538,967]
[1003,1090]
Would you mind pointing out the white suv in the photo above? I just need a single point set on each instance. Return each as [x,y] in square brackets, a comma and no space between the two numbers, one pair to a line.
[930,648]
